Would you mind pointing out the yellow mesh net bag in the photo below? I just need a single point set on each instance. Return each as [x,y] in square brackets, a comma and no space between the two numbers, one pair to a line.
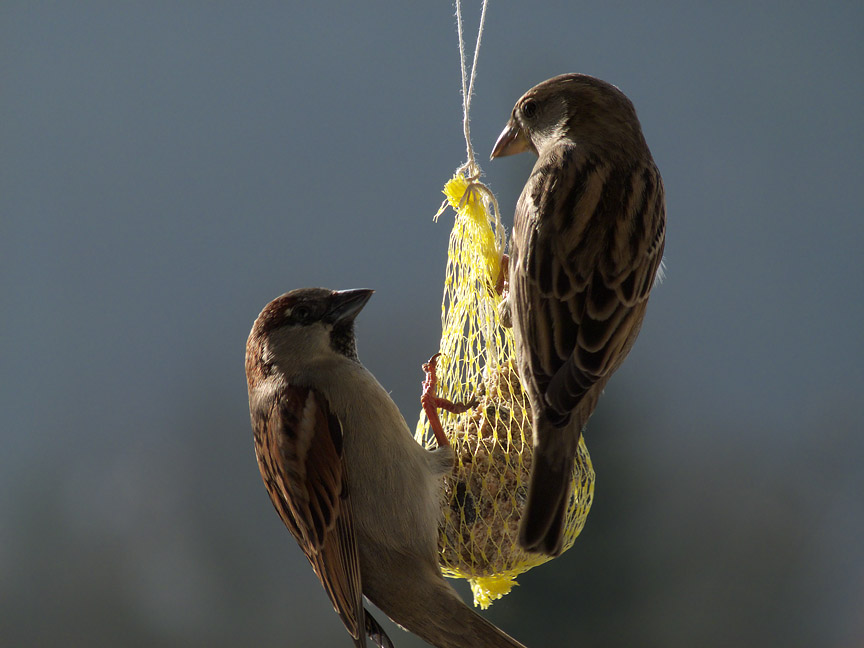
[485,494]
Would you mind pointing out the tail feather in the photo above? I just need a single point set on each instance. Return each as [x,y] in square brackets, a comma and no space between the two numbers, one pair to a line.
[376,633]
[428,606]
[542,526]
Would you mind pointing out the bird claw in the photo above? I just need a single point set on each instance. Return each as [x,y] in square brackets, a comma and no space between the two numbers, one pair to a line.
[432,403]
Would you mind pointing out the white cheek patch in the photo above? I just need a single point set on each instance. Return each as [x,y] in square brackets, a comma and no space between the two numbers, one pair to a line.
[558,132]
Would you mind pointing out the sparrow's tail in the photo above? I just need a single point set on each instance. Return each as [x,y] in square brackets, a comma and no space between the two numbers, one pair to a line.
[542,527]
[425,604]
[375,632]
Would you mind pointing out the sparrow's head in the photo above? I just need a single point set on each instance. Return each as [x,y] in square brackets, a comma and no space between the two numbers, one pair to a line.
[574,108]
[302,327]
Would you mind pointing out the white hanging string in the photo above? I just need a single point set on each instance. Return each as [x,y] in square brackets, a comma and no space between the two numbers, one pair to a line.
[468,86]
[471,168]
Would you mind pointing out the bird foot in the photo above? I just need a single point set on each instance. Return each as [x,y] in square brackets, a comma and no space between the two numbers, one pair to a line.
[432,403]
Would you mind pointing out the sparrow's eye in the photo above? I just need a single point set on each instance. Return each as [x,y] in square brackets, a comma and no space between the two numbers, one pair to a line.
[529,109]
[300,313]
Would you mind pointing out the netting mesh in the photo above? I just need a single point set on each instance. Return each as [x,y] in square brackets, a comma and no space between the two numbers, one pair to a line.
[492,441]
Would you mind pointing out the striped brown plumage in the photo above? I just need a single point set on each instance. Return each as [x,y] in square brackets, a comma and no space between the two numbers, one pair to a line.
[298,443]
[358,493]
[587,244]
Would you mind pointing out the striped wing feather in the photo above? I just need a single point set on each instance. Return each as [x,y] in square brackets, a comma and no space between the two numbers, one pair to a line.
[583,278]
[298,442]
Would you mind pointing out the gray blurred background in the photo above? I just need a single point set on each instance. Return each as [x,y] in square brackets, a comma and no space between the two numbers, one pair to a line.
[168,168]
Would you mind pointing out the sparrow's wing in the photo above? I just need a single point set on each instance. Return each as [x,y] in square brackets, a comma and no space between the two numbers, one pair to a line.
[298,441]
[593,238]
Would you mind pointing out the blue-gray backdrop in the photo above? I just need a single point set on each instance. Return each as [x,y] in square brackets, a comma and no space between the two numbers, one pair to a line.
[168,168]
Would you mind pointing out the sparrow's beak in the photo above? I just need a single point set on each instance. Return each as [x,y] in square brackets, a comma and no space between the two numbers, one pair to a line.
[345,304]
[512,140]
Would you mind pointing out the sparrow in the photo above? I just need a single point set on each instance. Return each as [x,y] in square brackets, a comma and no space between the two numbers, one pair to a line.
[362,498]
[587,244]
